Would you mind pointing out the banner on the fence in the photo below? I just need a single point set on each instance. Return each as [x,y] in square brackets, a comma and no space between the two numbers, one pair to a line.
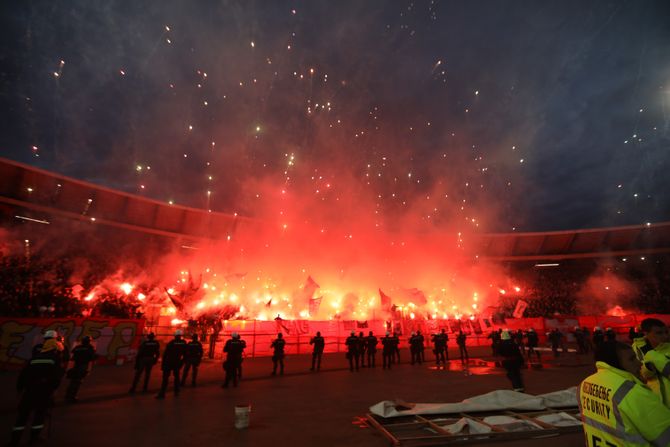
[113,338]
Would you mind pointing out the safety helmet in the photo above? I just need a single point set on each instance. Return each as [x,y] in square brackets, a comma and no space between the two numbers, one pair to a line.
[531,330]
[388,333]
[597,328]
[86,340]
[151,335]
[235,335]
[50,334]
[178,332]
[505,335]
[353,332]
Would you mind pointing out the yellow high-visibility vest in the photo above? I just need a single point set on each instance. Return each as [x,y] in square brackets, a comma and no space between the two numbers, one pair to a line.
[656,371]
[619,410]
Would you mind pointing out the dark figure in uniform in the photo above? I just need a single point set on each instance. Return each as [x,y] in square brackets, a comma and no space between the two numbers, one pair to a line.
[147,356]
[361,348]
[532,341]
[587,339]
[598,337]
[82,355]
[421,342]
[244,346]
[415,349]
[388,350]
[173,359]
[319,344]
[512,360]
[555,338]
[233,350]
[371,348]
[439,346]
[579,338]
[278,356]
[61,349]
[462,347]
[396,348]
[352,350]
[518,339]
[36,384]
[192,359]
[610,335]
[495,341]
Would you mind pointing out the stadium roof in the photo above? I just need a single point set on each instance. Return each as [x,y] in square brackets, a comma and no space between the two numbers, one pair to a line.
[35,195]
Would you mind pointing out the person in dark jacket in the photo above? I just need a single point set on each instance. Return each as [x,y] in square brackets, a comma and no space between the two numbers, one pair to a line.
[278,355]
[173,359]
[532,342]
[361,348]
[415,348]
[388,351]
[396,348]
[147,356]
[598,337]
[371,347]
[421,342]
[36,384]
[352,343]
[192,359]
[83,355]
[462,346]
[319,344]
[233,350]
[512,360]
[440,346]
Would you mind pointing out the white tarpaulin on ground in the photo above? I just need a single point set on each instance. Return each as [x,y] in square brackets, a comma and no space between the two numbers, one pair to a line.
[493,401]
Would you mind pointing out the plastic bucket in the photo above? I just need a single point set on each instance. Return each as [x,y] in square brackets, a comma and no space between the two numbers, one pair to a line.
[242,415]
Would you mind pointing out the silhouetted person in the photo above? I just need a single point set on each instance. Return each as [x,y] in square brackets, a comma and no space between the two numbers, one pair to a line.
[388,351]
[439,347]
[421,341]
[512,360]
[192,359]
[361,348]
[371,347]
[352,350]
[147,356]
[83,355]
[396,348]
[532,341]
[278,345]
[414,349]
[173,358]
[462,347]
[231,365]
[319,345]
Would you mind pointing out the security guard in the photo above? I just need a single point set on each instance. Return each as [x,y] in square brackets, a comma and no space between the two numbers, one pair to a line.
[233,350]
[82,355]
[617,408]
[352,343]
[37,383]
[147,356]
[173,358]
[371,348]
[278,345]
[654,351]
[192,359]
[319,345]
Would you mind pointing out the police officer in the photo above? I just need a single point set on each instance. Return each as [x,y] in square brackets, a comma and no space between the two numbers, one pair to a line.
[82,355]
[278,345]
[388,350]
[415,349]
[147,356]
[555,338]
[462,346]
[421,340]
[532,341]
[173,359]
[439,347]
[352,343]
[617,407]
[371,348]
[396,348]
[361,348]
[495,341]
[192,359]
[579,337]
[37,383]
[512,360]
[610,335]
[238,337]
[598,337]
[233,350]
[319,344]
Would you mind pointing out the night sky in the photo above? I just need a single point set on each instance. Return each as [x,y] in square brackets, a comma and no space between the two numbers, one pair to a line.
[495,115]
